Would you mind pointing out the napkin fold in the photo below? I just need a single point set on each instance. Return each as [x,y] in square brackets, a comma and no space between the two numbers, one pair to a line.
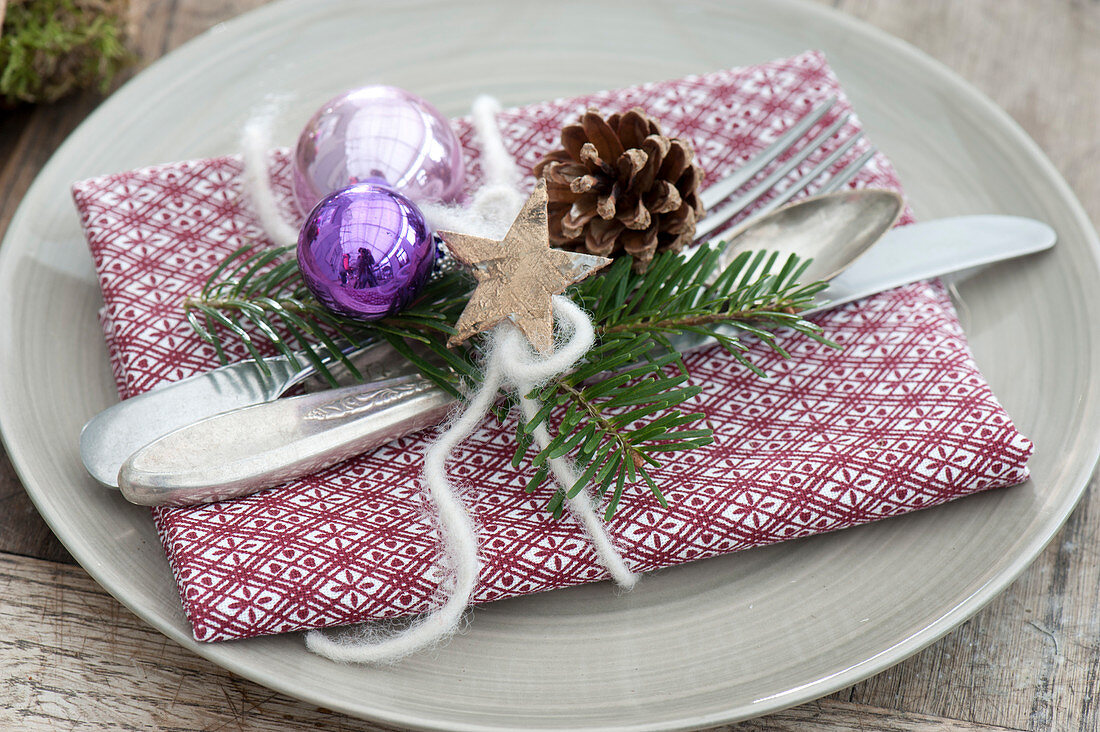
[899,419]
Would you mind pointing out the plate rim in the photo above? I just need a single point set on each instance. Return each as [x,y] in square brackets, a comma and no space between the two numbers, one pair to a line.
[222,655]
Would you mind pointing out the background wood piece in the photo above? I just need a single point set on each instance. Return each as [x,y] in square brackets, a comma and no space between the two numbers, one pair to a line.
[71,655]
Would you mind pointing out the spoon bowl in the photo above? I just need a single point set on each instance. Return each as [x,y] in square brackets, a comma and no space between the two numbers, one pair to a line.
[834,230]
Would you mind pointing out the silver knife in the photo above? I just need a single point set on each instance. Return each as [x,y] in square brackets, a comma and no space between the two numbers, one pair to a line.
[249,448]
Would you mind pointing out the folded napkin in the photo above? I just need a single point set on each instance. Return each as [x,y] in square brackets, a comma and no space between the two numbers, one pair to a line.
[898,420]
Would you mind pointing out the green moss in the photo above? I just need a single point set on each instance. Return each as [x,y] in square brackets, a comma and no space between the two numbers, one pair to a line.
[49,48]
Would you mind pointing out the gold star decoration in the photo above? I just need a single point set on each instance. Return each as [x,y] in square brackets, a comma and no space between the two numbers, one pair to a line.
[517,276]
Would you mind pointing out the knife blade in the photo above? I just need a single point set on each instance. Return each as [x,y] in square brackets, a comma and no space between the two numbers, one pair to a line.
[250,448]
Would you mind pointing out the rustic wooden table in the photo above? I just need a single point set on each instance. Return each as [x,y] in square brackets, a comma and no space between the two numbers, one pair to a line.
[73,656]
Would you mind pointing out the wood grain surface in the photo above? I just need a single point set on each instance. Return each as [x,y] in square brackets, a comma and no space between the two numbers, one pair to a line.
[71,656]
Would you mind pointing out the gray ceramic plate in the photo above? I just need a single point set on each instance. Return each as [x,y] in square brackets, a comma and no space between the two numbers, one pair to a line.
[711,642]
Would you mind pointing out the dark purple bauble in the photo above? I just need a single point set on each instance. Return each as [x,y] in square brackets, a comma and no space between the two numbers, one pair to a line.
[365,251]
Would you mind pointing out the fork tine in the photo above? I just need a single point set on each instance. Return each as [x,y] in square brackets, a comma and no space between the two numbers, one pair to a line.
[726,187]
[717,219]
[792,190]
[849,172]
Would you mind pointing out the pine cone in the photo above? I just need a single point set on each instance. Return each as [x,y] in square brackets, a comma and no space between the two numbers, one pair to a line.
[620,186]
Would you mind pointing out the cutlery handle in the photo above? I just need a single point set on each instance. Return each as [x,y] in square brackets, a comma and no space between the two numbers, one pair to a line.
[245,450]
[115,433]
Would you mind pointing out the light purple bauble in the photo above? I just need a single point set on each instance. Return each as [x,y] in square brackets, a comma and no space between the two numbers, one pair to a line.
[378,133]
[366,251]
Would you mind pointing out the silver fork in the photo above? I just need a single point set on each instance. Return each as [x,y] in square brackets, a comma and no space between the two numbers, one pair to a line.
[718,217]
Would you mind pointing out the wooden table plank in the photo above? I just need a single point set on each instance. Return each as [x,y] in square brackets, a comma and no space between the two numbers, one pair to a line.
[1030,660]
[70,656]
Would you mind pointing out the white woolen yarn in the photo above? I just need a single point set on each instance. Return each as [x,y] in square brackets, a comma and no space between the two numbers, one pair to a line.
[459,547]
[527,370]
[510,362]
[255,144]
[496,204]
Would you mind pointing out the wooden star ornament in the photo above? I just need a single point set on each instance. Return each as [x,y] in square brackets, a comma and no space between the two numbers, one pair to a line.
[517,276]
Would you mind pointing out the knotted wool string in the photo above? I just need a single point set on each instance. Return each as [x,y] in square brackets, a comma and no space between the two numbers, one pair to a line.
[510,363]
[495,204]
[255,144]
[527,371]
[492,209]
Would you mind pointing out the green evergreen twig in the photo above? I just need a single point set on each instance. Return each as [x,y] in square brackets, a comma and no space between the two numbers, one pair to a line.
[614,415]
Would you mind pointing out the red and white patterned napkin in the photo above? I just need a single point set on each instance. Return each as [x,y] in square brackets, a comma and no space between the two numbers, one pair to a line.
[898,420]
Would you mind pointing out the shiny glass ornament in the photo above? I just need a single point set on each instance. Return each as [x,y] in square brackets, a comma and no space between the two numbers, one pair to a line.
[378,133]
[366,251]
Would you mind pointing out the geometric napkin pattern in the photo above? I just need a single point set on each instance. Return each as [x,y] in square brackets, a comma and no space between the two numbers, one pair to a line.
[898,419]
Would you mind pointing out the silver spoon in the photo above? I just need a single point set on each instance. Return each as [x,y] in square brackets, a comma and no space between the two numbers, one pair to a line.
[834,230]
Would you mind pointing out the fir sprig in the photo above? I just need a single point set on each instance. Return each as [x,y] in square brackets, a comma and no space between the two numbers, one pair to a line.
[257,297]
[614,415]
[623,404]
